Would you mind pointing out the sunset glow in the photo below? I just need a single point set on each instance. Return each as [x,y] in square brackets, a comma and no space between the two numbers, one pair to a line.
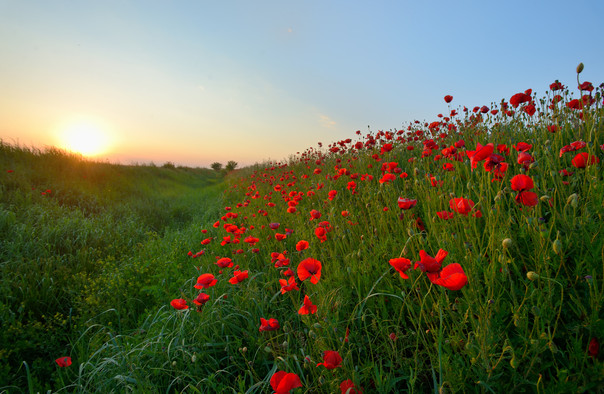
[85,138]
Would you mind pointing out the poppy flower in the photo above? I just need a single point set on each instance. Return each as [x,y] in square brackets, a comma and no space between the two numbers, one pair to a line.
[463,206]
[238,277]
[268,325]
[280,237]
[284,382]
[309,268]
[584,159]
[321,233]
[206,241]
[388,177]
[179,304]
[401,264]
[307,307]
[452,277]
[445,215]
[522,182]
[520,98]
[205,281]
[332,194]
[251,240]
[201,299]
[331,359]
[63,361]
[522,146]
[288,285]
[594,348]
[428,263]
[348,387]
[301,245]
[448,98]
[527,198]
[314,214]
[224,262]
[406,203]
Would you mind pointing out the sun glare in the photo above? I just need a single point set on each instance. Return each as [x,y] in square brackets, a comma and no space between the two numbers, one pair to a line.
[85,138]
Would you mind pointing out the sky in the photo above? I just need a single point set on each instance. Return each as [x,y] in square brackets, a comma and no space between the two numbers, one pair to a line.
[197,82]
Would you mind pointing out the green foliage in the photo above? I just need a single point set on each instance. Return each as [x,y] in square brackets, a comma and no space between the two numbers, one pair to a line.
[231,165]
[216,166]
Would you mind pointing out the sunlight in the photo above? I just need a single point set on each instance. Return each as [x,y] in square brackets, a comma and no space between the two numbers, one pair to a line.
[86,138]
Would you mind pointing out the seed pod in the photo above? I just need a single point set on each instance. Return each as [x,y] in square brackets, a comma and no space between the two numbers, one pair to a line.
[580,68]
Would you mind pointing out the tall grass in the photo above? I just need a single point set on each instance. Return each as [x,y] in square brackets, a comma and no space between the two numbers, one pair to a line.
[79,238]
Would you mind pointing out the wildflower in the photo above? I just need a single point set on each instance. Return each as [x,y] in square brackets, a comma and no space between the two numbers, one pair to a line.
[284,382]
[307,307]
[584,159]
[280,237]
[332,194]
[314,214]
[401,264]
[445,215]
[309,268]
[594,348]
[301,245]
[428,263]
[288,285]
[451,277]
[406,203]
[224,262]
[268,325]
[520,98]
[522,182]
[448,98]
[179,304]
[63,361]
[205,281]
[238,277]
[201,299]
[331,359]
[463,206]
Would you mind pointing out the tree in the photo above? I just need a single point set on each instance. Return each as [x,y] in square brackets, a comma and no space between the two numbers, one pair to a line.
[216,166]
[231,165]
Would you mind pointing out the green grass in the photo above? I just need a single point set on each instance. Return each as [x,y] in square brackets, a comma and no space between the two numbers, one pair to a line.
[524,321]
[108,242]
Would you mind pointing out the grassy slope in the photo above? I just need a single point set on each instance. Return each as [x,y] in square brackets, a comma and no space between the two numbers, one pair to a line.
[83,240]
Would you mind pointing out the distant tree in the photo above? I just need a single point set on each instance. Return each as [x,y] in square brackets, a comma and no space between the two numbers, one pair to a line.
[216,166]
[231,165]
[168,164]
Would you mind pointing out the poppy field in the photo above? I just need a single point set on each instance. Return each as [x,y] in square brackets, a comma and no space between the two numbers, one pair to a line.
[464,254]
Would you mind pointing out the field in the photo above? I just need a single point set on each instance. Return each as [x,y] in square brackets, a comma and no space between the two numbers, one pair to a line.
[460,255]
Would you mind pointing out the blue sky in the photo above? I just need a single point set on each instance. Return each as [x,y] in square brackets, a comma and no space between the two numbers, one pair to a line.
[195,82]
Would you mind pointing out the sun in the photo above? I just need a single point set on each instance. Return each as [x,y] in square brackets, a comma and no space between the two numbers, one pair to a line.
[85,138]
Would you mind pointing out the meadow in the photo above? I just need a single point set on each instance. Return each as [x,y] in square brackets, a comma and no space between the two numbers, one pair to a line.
[464,254]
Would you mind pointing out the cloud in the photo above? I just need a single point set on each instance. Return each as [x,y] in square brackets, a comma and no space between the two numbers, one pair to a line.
[326,121]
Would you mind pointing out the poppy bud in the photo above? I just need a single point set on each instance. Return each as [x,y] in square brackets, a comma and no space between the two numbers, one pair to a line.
[557,246]
[579,68]
[544,198]
[534,164]
[532,275]
[573,200]
[268,349]
[507,243]
[514,362]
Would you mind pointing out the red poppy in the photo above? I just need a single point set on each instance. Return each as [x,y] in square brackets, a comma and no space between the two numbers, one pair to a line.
[332,194]
[445,215]
[288,285]
[206,241]
[463,206]
[522,182]
[284,382]
[520,98]
[201,299]
[556,86]
[428,263]
[309,268]
[331,359]
[268,325]
[179,304]
[251,240]
[307,307]
[594,348]
[401,264]
[314,214]
[205,281]
[522,146]
[63,361]
[388,177]
[452,277]
[280,237]
[238,277]
[586,86]
[301,245]
[406,203]
[224,262]
[527,198]
[530,109]
[584,159]
[321,233]
[448,98]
